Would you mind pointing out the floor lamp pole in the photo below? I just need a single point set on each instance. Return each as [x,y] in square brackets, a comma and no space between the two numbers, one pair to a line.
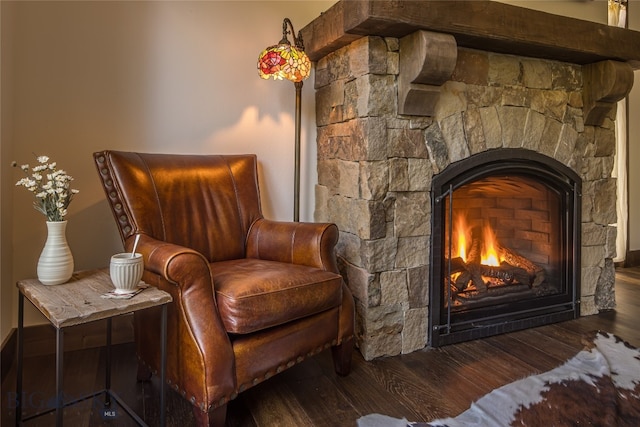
[296,181]
[285,61]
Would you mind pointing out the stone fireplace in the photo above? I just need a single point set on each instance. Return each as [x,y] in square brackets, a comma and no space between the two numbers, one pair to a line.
[406,91]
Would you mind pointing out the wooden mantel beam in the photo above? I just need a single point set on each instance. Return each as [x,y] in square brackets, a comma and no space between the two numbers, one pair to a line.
[485,25]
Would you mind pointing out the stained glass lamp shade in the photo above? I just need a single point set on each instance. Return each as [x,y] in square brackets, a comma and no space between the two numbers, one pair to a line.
[287,61]
[284,60]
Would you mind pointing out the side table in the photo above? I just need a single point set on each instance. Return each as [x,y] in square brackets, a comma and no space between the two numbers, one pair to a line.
[77,302]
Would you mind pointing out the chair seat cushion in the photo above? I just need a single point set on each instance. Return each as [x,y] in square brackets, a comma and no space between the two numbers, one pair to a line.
[255,294]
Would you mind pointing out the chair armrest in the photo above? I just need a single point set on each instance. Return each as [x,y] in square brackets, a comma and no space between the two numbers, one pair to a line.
[304,243]
[194,321]
[168,260]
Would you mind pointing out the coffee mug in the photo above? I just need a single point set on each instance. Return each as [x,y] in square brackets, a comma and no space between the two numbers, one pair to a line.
[126,271]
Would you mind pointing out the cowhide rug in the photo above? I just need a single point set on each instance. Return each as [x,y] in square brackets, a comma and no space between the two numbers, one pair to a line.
[599,386]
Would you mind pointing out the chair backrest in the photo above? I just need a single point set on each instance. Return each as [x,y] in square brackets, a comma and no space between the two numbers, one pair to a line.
[204,202]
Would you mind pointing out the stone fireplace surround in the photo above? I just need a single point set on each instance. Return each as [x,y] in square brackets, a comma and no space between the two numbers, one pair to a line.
[404,89]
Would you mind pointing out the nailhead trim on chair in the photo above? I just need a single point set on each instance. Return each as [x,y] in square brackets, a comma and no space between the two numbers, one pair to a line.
[224,400]
[113,195]
[279,369]
[255,381]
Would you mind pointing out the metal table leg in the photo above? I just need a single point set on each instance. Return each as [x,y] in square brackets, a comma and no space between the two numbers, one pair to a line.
[163,365]
[19,400]
[59,372]
[107,380]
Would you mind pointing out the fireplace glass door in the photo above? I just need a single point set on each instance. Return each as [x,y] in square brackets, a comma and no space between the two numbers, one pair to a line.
[506,240]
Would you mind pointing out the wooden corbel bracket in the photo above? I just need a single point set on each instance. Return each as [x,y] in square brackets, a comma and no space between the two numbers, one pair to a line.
[427,61]
[605,83]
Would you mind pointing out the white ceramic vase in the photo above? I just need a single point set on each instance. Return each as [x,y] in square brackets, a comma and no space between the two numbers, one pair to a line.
[55,265]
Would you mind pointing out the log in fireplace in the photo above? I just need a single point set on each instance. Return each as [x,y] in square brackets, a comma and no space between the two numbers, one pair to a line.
[505,245]
[427,108]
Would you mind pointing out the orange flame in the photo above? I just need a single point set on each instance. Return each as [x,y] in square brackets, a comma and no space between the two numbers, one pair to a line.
[463,232]
[489,252]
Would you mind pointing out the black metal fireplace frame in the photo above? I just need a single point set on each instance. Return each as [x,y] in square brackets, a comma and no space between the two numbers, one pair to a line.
[446,327]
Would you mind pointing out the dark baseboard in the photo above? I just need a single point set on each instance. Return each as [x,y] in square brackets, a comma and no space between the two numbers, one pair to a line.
[8,353]
[633,259]
[41,339]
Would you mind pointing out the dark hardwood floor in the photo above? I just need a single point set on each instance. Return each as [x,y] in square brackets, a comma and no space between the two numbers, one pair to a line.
[419,386]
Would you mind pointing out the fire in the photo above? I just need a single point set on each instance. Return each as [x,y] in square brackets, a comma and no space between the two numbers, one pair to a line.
[462,243]
[478,262]
[462,231]
[489,251]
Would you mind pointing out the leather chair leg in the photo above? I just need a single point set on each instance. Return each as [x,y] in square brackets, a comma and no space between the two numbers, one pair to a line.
[214,418]
[342,357]
[144,373]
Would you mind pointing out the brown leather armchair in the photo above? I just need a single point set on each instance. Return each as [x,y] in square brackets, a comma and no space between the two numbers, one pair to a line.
[251,297]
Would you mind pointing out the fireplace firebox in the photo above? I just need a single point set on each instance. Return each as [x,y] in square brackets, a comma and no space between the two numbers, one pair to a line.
[505,245]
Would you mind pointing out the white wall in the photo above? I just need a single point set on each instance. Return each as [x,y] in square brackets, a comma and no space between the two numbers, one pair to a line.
[634,143]
[6,187]
[142,76]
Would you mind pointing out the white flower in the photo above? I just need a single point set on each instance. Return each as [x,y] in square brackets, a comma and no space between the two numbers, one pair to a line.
[53,195]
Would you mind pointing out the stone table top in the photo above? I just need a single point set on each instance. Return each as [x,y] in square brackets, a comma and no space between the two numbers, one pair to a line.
[81,300]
